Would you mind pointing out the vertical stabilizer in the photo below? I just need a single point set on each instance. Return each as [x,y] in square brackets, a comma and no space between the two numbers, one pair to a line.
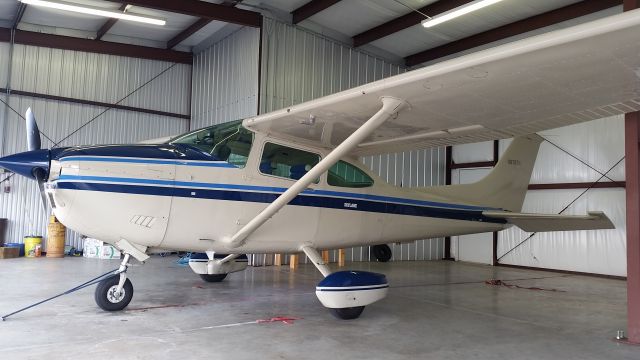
[506,185]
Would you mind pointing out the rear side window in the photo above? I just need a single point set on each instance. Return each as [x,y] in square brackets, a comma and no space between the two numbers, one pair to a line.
[286,162]
[344,174]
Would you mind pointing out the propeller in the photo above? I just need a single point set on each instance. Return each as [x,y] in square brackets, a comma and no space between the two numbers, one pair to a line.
[34,143]
[33,133]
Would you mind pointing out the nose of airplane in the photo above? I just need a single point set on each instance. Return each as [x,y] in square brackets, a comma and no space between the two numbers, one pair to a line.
[28,163]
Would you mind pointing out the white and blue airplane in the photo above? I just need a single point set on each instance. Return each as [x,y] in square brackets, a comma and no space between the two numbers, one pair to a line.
[291,181]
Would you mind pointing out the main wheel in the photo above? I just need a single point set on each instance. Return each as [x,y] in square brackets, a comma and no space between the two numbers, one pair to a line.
[349,313]
[106,296]
[381,252]
[213,278]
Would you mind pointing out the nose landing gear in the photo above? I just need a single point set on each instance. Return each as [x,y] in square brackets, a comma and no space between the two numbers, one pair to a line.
[115,293]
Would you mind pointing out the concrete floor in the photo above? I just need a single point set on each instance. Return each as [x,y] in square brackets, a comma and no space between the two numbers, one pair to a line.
[438,310]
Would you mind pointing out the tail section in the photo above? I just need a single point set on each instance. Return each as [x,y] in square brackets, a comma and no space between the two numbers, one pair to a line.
[506,186]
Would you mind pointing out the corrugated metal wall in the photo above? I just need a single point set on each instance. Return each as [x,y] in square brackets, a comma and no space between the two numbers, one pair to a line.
[85,76]
[225,79]
[599,143]
[298,66]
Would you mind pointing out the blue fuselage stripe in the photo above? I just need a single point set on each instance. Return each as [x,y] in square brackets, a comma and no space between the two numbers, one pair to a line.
[190,184]
[149,161]
[240,193]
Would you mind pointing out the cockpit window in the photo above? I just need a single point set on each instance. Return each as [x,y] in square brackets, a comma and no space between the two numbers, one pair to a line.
[228,142]
[346,175]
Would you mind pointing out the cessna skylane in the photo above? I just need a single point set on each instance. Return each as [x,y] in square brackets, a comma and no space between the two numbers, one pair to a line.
[291,181]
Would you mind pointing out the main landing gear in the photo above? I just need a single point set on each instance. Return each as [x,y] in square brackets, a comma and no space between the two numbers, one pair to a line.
[346,293]
[382,253]
[213,277]
[115,292]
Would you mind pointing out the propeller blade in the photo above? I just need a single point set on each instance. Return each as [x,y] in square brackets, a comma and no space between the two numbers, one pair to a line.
[41,178]
[33,134]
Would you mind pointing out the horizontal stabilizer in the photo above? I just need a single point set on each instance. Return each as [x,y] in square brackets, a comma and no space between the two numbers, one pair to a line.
[549,222]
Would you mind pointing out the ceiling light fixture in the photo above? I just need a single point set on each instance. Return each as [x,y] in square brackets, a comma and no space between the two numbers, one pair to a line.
[83,9]
[459,11]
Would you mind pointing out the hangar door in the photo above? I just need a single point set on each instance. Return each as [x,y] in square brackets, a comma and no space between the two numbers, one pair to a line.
[476,248]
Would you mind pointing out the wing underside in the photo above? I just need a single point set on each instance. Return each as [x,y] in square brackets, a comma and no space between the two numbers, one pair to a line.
[577,74]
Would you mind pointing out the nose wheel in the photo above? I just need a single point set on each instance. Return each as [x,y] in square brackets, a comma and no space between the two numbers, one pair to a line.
[115,293]
[109,298]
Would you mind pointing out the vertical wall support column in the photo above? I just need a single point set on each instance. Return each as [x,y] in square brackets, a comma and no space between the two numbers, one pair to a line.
[496,155]
[448,159]
[632,170]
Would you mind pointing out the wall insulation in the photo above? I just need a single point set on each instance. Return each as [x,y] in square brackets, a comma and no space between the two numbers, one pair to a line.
[225,79]
[86,76]
[299,65]
[600,144]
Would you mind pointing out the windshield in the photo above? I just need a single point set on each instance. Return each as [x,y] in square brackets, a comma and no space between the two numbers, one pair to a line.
[226,142]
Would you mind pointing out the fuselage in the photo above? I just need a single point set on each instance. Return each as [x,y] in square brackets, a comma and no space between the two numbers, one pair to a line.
[175,196]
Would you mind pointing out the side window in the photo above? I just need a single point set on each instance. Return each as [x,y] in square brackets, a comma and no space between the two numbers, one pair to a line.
[346,175]
[235,148]
[286,162]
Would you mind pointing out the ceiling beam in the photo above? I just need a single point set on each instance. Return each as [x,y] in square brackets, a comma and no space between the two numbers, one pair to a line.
[552,17]
[109,23]
[199,24]
[204,10]
[311,8]
[406,21]
[92,46]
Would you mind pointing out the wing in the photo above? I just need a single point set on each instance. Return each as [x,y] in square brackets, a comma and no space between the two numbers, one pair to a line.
[545,222]
[581,73]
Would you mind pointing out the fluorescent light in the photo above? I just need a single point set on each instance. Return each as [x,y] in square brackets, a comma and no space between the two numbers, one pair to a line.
[459,11]
[83,9]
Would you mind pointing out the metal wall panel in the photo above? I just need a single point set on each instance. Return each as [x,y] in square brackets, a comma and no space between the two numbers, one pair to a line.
[104,78]
[225,79]
[299,65]
[87,76]
[4,63]
[599,143]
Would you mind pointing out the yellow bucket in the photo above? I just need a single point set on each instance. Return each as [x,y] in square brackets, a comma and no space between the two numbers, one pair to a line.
[32,246]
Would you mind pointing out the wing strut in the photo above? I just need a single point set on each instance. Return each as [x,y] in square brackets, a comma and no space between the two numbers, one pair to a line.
[390,106]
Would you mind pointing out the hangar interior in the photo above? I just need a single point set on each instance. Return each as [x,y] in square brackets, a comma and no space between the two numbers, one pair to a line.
[95,80]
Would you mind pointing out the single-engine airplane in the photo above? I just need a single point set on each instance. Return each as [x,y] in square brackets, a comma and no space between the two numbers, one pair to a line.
[291,180]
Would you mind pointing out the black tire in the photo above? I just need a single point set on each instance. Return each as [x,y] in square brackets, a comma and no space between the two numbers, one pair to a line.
[349,313]
[382,253]
[213,278]
[104,297]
